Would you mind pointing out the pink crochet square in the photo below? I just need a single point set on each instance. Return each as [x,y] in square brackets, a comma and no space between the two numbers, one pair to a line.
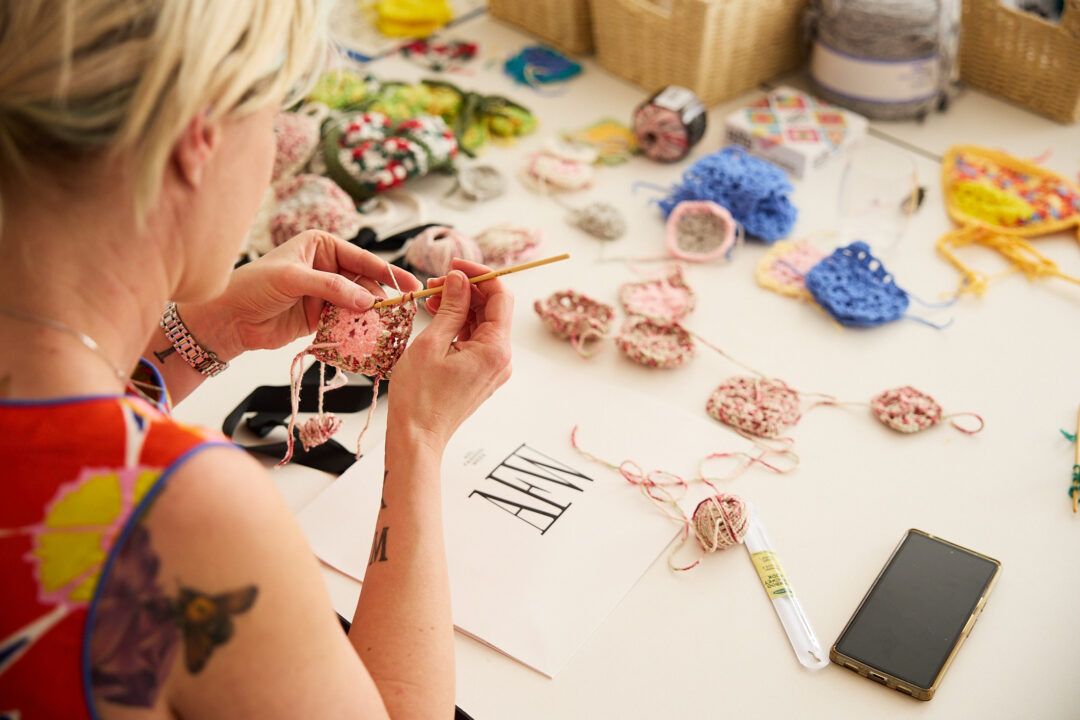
[667,299]
[367,342]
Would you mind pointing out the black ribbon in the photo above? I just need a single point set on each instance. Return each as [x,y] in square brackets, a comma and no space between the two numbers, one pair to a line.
[272,406]
[366,239]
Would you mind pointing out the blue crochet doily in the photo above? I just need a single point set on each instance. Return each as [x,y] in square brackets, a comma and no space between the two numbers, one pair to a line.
[854,287]
[539,64]
[753,190]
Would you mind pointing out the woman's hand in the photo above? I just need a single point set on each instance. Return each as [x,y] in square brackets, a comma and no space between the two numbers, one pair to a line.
[458,361]
[274,300]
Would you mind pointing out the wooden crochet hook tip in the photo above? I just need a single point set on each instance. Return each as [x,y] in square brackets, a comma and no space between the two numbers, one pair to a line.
[478,279]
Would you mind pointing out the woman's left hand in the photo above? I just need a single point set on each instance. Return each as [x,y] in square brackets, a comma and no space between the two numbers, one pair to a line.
[274,300]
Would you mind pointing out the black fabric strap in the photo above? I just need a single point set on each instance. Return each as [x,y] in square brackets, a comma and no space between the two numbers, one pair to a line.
[366,239]
[272,405]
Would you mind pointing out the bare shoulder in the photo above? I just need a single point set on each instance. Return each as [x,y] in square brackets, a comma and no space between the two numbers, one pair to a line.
[213,600]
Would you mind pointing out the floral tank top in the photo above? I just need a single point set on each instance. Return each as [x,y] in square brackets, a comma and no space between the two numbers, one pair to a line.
[75,475]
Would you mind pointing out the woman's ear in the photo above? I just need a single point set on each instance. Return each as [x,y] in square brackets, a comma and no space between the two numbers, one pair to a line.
[194,150]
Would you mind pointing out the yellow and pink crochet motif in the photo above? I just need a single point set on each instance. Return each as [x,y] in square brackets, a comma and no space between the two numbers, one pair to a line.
[998,201]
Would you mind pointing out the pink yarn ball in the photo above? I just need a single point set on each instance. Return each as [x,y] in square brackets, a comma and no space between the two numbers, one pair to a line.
[432,251]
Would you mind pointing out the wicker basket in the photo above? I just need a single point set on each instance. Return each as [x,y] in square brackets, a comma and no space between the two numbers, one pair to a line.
[1022,57]
[717,48]
[564,24]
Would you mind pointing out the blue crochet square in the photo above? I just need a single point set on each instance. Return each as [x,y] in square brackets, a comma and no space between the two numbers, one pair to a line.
[753,190]
[855,289]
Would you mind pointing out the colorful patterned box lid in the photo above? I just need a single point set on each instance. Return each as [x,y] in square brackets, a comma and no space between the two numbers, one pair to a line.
[793,129]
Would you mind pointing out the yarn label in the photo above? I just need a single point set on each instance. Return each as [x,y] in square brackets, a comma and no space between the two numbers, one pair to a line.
[771,574]
[870,80]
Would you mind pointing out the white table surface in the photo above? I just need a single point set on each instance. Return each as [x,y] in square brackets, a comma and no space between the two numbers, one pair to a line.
[707,643]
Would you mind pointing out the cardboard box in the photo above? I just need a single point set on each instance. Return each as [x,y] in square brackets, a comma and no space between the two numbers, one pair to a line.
[794,130]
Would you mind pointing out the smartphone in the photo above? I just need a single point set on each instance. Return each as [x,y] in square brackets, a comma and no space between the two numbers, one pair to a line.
[912,621]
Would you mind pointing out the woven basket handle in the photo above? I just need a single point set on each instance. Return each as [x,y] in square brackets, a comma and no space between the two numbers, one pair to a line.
[1070,18]
[648,7]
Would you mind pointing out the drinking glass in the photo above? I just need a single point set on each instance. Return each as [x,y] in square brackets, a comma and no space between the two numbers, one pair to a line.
[878,193]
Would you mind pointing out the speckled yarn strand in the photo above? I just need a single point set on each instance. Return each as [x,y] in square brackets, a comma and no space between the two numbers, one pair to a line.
[718,522]
[317,430]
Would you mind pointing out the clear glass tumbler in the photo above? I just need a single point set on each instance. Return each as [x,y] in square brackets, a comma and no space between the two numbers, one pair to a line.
[878,193]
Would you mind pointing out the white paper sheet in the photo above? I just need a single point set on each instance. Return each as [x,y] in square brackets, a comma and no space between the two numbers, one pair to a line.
[542,543]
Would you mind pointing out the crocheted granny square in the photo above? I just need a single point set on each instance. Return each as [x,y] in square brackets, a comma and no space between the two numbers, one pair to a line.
[574,316]
[505,245]
[295,136]
[753,190]
[654,344]
[783,268]
[855,289]
[368,154]
[699,231]
[311,202]
[906,409]
[368,342]
[993,189]
[667,299]
[756,406]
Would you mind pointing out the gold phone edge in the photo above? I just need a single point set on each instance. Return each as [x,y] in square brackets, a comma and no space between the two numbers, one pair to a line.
[890,681]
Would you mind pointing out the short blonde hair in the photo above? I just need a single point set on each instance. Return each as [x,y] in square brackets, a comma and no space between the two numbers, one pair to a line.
[82,78]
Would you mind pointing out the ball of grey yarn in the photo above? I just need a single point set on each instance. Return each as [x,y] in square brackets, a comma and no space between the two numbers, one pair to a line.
[600,219]
[882,30]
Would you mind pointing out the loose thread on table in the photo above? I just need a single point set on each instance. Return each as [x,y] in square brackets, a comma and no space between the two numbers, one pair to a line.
[655,485]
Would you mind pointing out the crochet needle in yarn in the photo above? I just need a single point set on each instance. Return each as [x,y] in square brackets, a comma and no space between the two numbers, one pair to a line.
[478,279]
[788,608]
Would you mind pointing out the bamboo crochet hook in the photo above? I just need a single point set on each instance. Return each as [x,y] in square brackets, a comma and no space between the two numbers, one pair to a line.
[474,280]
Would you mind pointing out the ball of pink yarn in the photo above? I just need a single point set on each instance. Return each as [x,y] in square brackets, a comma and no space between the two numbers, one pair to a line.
[432,250]
[311,202]
[721,521]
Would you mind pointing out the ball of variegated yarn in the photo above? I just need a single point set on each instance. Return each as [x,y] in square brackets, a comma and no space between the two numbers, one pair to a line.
[432,251]
[721,521]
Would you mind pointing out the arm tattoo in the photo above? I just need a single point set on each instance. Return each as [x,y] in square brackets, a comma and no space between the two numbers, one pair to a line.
[137,628]
[378,543]
[378,546]
[162,354]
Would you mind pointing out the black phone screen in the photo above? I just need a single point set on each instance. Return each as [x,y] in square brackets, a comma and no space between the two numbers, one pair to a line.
[913,615]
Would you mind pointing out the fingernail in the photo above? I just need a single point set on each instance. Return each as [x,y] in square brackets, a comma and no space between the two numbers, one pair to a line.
[363,300]
[458,280]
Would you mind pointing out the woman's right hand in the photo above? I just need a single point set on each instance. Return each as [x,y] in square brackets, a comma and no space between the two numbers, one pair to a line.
[458,361]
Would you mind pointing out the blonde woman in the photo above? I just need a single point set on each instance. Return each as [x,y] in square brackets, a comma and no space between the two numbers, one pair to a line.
[150,569]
